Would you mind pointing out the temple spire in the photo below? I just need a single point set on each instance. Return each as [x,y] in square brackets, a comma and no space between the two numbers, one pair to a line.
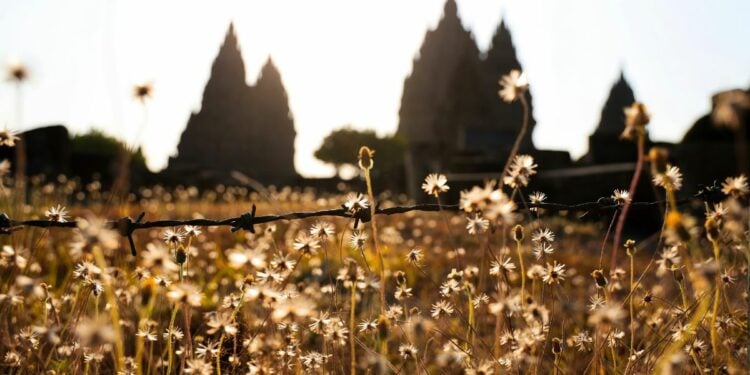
[612,120]
[500,59]
[229,64]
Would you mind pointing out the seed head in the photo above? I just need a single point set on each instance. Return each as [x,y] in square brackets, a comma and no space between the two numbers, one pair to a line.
[729,107]
[630,247]
[636,119]
[513,85]
[143,91]
[181,255]
[556,346]
[621,197]
[17,71]
[435,184]
[57,214]
[8,138]
[712,229]
[735,186]
[659,157]
[599,279]
[365,158]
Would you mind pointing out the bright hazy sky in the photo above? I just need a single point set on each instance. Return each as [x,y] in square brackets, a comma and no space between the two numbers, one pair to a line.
[344,62]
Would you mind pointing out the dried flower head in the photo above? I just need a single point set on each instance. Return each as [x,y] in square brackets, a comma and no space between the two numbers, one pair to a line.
[17,71]
[322,230]
[442,308]
[306,244]
[365,158]
[621,197]
[407,351]
[513,85]
[358,239]
[599,279]
[191,231]
[477,224]
[536,198]
[143,91]
[414,257]
[729,107]
[8,137]
[582,341]
[659,158]
[435,184]
[735,187]
[173,237]
[671,179]
[57,214]
[356,202]
[636,119]
[554,273]
[519,171]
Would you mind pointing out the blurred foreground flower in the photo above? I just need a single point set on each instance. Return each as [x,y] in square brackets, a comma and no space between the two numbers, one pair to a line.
[729,107]
[8,137]
[17,71]
[143,91]
[435,184]
[57,214]
[513,85]
[636,119]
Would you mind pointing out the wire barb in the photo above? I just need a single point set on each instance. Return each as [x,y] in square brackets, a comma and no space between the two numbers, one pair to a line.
[246,221]
[126,226]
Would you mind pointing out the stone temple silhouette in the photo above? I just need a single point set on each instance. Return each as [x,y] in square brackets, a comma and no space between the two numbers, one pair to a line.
[451,115]
[239,128]
[605,145]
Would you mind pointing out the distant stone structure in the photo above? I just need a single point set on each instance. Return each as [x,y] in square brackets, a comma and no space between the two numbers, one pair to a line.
[605,145]
[48,151]
[709,151]
[239,128]
[451,115]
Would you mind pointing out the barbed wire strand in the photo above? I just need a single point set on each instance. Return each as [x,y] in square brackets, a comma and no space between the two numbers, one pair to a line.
[126,226]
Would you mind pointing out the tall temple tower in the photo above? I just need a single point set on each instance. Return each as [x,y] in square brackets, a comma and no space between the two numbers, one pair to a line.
[605,145]
[451,116]
[247,129]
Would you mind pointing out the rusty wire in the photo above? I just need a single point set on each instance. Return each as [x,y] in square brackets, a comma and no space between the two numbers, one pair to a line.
[126,226]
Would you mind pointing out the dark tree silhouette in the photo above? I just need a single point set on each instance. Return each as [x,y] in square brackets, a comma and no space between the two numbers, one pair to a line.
[341,144]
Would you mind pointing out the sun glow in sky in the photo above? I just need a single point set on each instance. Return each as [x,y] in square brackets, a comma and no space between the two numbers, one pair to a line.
[344,62]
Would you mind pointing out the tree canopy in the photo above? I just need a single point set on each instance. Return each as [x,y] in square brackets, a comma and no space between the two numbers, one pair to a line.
[340,148]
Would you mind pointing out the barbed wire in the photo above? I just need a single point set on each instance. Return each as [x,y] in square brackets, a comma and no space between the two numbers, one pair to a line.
[126,226]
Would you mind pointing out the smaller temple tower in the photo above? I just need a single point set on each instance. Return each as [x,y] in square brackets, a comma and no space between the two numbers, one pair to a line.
[605,145]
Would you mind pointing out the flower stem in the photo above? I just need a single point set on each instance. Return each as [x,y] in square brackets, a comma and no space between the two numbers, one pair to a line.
[352,349]
[523,271]
[632,314]
[375,239]
[641,144]
[113,310]
[169,340]
[519,138]
[717,296]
